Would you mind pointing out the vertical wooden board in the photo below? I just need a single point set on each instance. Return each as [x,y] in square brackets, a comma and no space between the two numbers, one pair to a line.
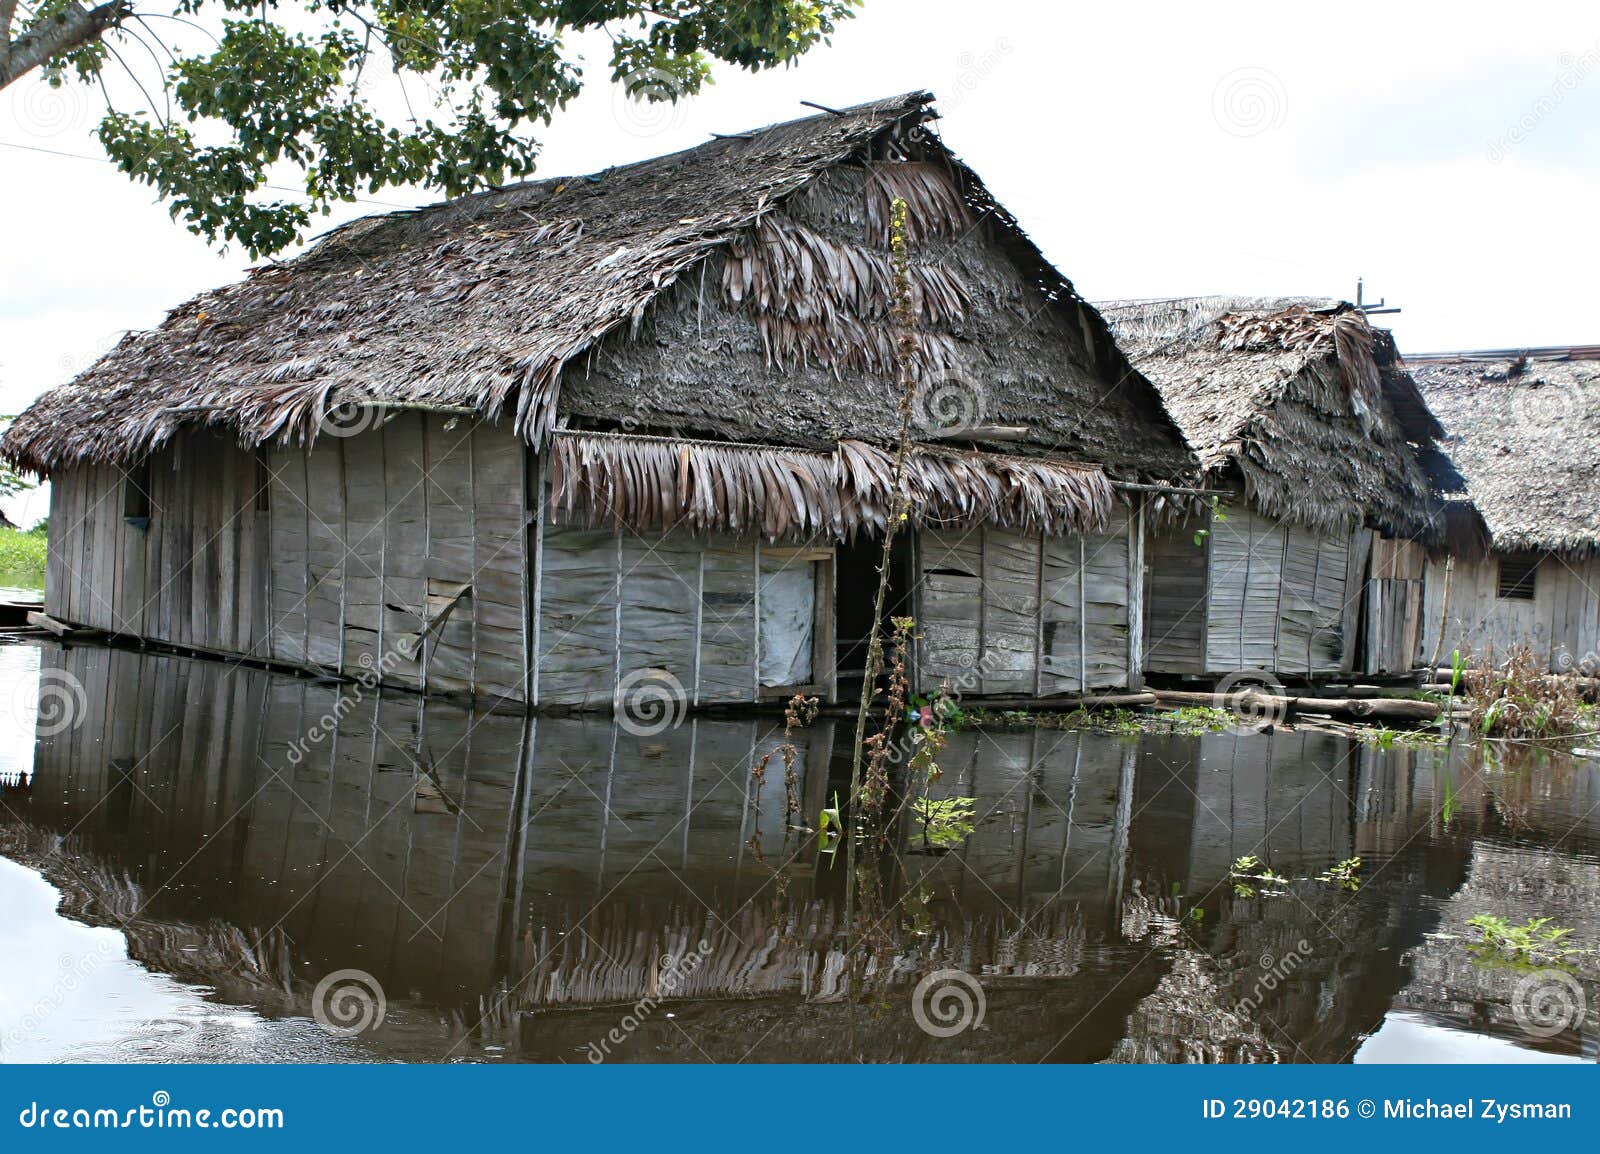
[1357,561]
[1328,641]
[1106,605]
[1228,549]
[286,518]
[448,496]
[364,549]
[1263,587]
[727,620]
[1065,580]
[132,589]
[577,626]
[499,521]
[660,601]
[1298,616]
[401,594]
[950,593]
[53,568]
[64,488]
[1009,596]
[332,551]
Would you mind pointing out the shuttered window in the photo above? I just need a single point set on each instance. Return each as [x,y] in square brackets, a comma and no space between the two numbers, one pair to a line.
[1517,576]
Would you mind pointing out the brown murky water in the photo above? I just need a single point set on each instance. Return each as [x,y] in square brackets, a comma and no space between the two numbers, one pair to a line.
[193,848]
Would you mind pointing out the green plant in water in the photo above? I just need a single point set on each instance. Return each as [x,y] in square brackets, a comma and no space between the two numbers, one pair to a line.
[1528,946]
[1343,874]
[1201,719]
[1448,810]
[944,823]
[830,828]
[1249,872]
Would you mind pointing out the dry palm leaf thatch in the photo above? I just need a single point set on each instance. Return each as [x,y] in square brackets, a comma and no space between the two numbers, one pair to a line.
[656,483]
[1523,430]
[1300,400]
[603,300]
[934,206]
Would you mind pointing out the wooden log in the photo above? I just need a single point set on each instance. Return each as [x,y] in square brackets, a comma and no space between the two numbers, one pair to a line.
[1366,709]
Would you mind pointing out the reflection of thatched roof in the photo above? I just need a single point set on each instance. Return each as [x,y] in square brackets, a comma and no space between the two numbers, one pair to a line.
[693,293]
[1523,429]
[1300,396]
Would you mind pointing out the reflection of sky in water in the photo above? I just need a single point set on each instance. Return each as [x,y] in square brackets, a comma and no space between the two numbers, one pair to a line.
[19,704]
[1410,1038]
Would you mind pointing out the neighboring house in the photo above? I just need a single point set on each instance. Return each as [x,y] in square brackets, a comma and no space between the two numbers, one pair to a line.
[566,439]
[1521,568]
[1308,427]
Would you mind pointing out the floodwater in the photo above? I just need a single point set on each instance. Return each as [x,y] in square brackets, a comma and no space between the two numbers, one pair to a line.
[205,863]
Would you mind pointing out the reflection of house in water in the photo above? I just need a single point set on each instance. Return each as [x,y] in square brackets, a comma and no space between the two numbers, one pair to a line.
[542,867]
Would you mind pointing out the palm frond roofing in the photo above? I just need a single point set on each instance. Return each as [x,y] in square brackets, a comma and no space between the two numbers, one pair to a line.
[1299,396]
[486,303]
[1523,431]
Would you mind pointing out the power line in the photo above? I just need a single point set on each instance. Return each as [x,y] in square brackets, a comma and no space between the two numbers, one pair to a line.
[106,160]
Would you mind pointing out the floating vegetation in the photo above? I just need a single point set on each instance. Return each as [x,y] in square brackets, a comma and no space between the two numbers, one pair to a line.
[1528,946]
[1343,874]
[1253,878]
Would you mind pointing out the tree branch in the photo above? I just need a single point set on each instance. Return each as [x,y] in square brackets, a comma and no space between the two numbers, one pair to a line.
[68,29]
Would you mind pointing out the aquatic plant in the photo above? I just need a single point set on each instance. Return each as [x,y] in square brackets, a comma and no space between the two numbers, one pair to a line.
[1529,945]
[1252,878]
[944,823]
[1343,874]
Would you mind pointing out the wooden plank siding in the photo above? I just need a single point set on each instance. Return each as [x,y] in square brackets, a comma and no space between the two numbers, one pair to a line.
[1252,593]
[414,553]
[1006,613]
[1394,595]
[1561,622]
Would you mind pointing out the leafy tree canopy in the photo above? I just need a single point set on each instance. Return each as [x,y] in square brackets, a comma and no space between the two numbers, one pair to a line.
[246,85]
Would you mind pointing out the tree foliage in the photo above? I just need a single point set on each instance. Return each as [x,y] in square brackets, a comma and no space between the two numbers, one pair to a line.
[249,85]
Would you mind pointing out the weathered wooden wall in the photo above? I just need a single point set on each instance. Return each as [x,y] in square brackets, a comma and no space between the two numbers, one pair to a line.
[1255,593]
[410,553]
[1561,623]
[1001,612]
[612,604]
[194,576]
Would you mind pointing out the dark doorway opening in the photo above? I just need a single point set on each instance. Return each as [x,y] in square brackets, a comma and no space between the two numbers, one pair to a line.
[855,587]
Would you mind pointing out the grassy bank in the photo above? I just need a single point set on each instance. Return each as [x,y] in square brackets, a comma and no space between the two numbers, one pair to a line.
[22,559]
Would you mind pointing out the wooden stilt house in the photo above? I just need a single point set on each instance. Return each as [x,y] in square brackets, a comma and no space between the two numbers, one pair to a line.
[560,441]
[1307,427]
[1521,563]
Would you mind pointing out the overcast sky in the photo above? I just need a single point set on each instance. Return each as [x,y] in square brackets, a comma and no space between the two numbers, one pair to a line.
[1446,152]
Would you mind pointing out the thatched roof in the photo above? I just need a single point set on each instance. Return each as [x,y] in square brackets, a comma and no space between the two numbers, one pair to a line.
[571,300]
[1523,432]
[1298,398]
